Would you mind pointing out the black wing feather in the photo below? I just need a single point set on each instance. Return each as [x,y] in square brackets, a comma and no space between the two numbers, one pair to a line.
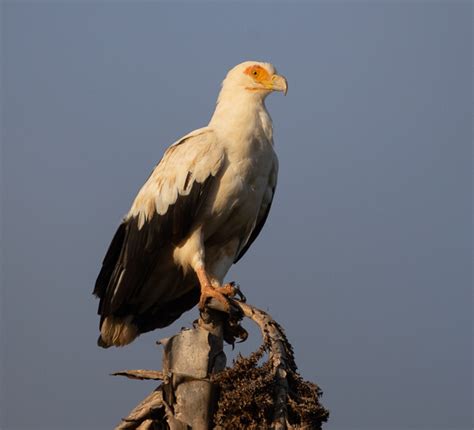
[111,257]
[133,255]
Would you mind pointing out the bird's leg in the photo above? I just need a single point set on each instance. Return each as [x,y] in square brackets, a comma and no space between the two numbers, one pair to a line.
[212,289]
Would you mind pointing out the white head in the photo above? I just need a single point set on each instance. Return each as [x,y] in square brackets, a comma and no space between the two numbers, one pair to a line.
[240,106]
[254,78]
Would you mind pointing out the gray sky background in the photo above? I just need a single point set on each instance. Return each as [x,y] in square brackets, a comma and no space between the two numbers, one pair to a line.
[366,256]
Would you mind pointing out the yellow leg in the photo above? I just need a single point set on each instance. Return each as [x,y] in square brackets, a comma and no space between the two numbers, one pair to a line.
[208,290]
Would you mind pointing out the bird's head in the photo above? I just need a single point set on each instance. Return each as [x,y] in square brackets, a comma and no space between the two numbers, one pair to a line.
[256,78]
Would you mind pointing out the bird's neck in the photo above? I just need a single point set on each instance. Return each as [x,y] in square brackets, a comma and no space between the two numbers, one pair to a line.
[242,116]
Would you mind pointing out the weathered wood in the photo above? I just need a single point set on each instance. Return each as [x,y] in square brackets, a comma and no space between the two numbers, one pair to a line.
[186,397]
[142,412]
[188,389]
[279,357]
[154,375]
[146,425]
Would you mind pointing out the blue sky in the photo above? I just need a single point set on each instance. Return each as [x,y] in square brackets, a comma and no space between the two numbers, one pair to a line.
[366,256]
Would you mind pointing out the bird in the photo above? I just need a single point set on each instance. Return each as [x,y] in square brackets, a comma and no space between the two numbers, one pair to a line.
[198,213]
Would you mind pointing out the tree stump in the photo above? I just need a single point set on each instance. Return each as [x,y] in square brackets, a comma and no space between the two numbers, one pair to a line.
[198,393]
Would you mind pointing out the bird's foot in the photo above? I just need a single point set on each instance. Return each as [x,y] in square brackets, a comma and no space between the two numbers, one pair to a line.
[232,290]
[220,293]
[210,292]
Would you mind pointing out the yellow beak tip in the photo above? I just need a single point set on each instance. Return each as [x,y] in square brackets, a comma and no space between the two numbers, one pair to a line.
[280,84]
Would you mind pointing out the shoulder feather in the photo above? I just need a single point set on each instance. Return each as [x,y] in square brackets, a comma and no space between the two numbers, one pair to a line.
[194,158]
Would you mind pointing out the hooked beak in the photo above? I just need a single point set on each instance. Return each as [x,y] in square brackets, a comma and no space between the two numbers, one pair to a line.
[279,83]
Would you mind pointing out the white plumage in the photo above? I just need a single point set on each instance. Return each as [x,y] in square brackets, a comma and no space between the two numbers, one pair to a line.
[197,214]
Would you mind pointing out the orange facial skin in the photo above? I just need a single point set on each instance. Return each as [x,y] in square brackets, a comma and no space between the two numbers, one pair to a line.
[260,75]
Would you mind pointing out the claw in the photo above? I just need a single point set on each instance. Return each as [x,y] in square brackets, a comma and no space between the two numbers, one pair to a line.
[238,292]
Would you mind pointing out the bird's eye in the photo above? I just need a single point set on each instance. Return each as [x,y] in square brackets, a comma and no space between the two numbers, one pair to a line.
[255,73]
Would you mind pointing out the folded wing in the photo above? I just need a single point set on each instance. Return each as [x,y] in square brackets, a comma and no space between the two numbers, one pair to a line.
[163,213]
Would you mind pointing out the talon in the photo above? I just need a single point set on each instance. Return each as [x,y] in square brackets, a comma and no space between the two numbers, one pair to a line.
[238,291]
[241,295]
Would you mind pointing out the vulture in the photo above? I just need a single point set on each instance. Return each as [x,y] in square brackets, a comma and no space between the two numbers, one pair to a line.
[198,213]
